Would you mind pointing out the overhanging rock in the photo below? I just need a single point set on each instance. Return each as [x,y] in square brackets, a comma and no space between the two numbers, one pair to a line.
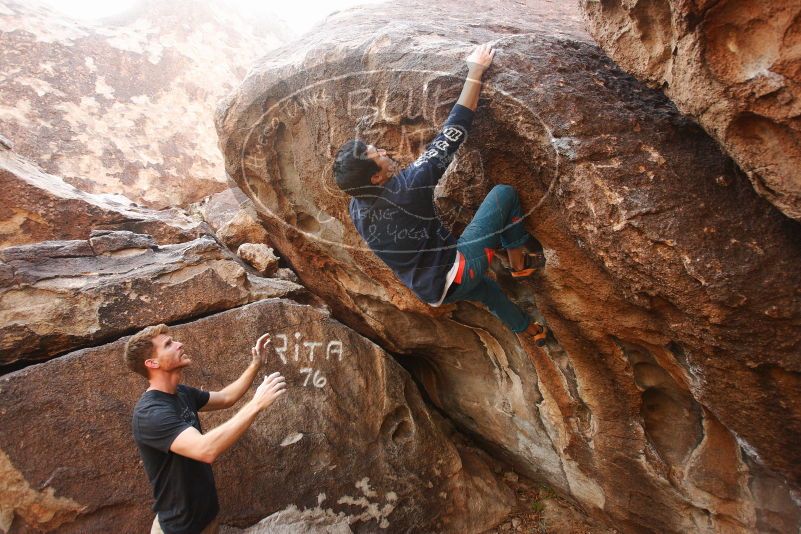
[734,66]
[670,400]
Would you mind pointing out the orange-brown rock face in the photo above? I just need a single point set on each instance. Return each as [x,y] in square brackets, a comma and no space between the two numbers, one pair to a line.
[125,106]
[670,396]
[733,65]
[351,440]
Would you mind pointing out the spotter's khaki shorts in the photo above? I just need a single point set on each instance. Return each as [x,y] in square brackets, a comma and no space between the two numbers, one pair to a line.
[212,528]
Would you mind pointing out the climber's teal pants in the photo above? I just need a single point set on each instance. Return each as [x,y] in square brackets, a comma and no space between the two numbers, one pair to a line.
[497,224]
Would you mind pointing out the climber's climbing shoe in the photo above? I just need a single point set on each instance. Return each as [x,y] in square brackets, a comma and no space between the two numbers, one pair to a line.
[530,262]
[539,338]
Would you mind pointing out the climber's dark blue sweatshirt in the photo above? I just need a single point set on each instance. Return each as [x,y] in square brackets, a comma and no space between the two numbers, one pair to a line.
[398,221]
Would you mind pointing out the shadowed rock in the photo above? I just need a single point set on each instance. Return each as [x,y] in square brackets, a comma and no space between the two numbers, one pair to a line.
[670,285]
[733,65]
[351,438]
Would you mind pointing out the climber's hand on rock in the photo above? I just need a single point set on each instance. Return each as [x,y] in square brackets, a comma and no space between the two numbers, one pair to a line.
[259,351]
[480,59]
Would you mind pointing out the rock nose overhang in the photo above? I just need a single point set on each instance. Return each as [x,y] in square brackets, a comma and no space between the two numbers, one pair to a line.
[731,65]
[671,286]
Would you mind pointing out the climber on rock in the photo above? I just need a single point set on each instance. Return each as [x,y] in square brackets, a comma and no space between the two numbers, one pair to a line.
[175,453]
[393,211]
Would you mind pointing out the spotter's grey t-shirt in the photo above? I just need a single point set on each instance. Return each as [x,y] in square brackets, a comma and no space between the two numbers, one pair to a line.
[186,497]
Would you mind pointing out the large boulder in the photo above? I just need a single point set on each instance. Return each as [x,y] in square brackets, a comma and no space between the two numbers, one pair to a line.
[734,66]
[124,105]
[38,206]
[668,398]
[56,296]
[352,439]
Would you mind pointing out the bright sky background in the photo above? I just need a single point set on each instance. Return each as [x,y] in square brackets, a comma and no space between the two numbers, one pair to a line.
[299,14]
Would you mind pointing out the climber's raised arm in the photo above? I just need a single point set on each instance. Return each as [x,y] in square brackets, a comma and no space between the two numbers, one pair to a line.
[478,62]
[439,152]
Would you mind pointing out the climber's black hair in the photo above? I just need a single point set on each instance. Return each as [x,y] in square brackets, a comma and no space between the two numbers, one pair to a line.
[353,169]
